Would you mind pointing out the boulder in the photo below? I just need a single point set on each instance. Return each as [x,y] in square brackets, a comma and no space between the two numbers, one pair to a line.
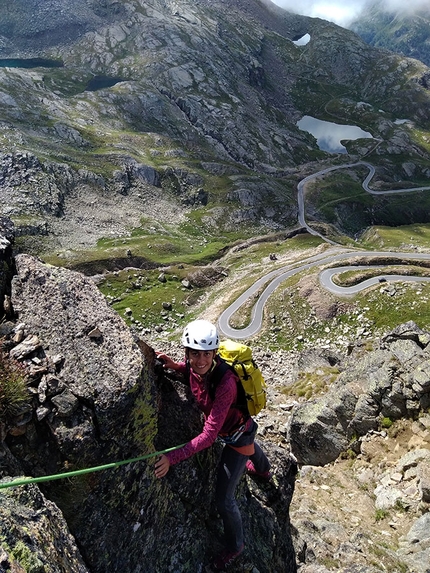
[415,545]
[60,310]
[370,386]
[35,536]
[315,433]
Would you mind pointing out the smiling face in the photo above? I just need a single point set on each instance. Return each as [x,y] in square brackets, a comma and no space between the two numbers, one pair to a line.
[200,360]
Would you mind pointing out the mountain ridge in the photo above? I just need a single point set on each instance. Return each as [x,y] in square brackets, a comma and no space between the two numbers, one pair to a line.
[200,85]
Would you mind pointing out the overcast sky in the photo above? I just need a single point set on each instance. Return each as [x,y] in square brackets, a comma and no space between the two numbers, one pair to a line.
[343,12]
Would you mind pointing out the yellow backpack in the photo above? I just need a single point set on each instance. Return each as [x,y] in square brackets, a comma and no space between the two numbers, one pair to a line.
[238,357]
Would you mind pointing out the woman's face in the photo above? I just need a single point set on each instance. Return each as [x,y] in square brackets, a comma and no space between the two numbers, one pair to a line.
[200,360]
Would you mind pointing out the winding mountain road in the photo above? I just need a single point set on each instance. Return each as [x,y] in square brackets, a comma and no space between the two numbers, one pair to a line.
[270,282]
[302,185]
[326,279]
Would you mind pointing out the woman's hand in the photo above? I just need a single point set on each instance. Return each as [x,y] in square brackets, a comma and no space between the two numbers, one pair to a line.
[166,360]
[162,466]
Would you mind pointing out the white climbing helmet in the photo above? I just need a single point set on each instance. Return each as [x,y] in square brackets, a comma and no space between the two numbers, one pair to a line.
[200,335]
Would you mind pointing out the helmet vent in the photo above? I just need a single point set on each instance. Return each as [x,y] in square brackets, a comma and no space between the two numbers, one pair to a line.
[200,335]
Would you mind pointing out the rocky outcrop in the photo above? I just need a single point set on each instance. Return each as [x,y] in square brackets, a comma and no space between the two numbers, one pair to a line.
[88,364]
[415,544]
[35,535]
[391,382]
[97,397]
[28,186]
[51,198]
[375,388]
[133,172]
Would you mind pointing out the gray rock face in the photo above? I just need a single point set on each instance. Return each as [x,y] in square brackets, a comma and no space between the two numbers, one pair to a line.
[35,536]
[103,373]
[28,187]
[391,382]
[415,545]
[316,434]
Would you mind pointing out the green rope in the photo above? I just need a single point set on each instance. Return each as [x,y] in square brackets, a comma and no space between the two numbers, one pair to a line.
[26,480]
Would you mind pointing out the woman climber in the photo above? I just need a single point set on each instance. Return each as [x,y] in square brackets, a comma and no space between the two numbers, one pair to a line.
[223,420]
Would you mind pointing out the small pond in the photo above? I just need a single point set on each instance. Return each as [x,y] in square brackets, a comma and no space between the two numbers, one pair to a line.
[101,82]
[329,135]
[30,63]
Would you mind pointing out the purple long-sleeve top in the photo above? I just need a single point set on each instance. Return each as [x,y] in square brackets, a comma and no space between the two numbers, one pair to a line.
[221,417]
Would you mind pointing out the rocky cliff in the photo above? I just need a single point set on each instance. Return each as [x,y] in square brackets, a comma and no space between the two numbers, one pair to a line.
[373,423]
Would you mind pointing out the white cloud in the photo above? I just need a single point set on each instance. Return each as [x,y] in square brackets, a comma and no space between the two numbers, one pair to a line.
[342,12]
[337,11]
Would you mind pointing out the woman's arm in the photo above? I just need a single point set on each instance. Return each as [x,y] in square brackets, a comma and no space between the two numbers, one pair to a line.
[225,396]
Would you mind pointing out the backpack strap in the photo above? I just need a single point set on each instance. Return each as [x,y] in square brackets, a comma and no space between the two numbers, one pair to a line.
[245,374]
[217,375]
[187,372]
